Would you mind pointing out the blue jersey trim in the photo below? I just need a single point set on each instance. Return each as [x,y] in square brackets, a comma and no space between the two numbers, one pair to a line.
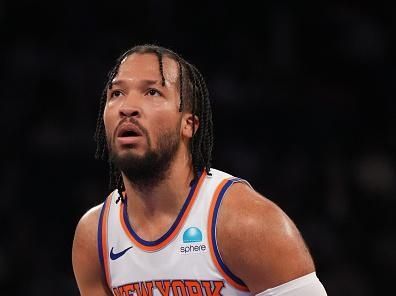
[213,230]
[100,246]
[194,184]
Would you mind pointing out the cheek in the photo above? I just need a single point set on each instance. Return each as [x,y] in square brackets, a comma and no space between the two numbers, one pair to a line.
[166,123]
[167,118]
[106,117]
[107,120]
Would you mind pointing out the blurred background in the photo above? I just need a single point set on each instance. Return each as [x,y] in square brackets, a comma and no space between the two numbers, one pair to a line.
[304,108]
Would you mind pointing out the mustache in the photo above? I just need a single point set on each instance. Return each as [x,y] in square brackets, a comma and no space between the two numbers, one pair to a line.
[132,120]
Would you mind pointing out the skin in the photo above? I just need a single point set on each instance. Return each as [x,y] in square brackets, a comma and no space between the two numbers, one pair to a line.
[245,219]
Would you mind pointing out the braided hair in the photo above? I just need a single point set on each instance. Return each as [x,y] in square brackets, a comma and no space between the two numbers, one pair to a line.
[194,97]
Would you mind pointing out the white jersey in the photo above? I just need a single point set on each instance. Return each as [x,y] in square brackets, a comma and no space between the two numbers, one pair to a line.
[184,261]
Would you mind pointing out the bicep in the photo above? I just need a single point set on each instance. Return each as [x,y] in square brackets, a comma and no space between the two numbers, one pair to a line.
[85,259]
[282,256]
[262,246]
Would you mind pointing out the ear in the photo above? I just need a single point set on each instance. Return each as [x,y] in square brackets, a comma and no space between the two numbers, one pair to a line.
[189,123]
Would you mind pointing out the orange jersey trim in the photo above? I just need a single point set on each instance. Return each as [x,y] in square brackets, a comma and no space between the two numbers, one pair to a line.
[223,186]
[168,237]
[105,249]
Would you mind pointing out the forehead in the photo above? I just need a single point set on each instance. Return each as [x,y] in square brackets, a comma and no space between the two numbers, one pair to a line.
[145,66]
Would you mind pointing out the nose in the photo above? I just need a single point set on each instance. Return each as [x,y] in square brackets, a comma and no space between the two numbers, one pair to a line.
[131,105]
[129,111]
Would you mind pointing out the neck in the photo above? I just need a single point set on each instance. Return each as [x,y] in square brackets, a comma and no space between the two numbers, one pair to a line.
[166,194]
[155,208]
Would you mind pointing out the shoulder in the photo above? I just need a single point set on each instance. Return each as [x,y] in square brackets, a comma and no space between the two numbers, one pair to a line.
[270,248]
[85,257]
[86,230]
[85,237]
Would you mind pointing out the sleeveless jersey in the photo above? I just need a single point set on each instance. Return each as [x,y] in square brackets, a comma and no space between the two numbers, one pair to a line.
[184,261]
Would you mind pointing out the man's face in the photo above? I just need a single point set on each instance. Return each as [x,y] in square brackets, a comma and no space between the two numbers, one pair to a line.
[141,116]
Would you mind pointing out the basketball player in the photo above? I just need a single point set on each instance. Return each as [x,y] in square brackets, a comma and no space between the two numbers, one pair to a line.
[174,225]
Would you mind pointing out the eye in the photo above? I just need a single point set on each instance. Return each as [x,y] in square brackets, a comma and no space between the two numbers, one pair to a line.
[115,93]
[153,92]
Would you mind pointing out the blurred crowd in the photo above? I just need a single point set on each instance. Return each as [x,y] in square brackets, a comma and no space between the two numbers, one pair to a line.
[304,109]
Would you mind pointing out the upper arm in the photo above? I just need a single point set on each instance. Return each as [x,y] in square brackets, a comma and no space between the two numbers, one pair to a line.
[259,242]
[85,259]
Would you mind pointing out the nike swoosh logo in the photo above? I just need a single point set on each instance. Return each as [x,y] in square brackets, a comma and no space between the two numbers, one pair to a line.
[115,256]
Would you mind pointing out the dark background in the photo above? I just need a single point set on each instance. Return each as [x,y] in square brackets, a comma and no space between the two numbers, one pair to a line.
[304,108]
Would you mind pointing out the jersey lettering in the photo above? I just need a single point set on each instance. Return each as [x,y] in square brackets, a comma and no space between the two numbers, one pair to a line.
[193,288]
[218,286]
[144,289]
[178,288]
[163,287]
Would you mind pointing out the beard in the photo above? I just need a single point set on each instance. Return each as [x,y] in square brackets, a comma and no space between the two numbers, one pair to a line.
[145,171]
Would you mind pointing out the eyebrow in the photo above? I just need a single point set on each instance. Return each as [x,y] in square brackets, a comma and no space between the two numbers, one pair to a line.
[145,82]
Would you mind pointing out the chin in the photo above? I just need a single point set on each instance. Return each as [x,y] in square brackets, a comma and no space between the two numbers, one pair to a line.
[129,153]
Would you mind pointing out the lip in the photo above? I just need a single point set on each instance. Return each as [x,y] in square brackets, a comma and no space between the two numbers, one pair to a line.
[128,134]
[128,140]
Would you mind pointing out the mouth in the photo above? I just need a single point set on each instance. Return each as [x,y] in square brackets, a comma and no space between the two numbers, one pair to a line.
[128,134]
